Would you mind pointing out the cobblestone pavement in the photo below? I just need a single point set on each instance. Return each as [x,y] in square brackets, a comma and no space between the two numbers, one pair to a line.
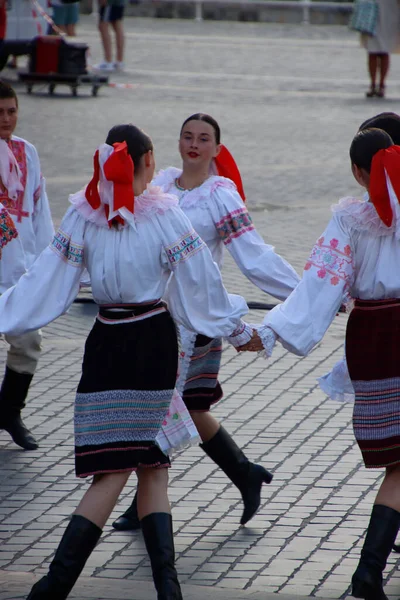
[289,100]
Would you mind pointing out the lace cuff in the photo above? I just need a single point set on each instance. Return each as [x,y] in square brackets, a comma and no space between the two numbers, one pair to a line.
[268,338]
[241,335]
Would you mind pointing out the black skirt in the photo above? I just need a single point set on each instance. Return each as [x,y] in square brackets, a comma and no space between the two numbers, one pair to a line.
[128,378]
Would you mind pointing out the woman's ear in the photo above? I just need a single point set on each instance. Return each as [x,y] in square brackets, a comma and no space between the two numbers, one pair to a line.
[218,150]
[148,158]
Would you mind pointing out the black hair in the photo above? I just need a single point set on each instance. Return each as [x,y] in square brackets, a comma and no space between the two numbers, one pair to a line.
[138,141]
[388,121]
[6,91]
[207,119]
[366,144]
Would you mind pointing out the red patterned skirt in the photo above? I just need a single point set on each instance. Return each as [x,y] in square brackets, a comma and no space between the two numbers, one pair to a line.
[373,359]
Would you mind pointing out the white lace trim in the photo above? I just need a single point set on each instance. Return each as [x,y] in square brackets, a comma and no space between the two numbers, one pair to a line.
[241,335]
[362,215]
[187,341]
[268,338]
[337,383]
[198,196]
[152,201]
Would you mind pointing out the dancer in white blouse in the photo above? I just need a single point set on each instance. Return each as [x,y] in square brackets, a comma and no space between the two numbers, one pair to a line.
[23,193]
[216,209]
[132,240]
[357,255]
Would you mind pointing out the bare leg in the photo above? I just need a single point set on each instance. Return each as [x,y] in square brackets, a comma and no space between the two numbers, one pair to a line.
[205,423]
[118,27]
[71,30]
[152,491]
[101,497]
[384,63]
[372,68]
[106,41]
[389,492]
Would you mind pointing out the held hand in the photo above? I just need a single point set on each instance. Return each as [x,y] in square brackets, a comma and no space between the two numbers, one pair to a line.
[254,345]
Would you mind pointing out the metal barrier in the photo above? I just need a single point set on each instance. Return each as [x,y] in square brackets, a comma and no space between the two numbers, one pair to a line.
[304,5]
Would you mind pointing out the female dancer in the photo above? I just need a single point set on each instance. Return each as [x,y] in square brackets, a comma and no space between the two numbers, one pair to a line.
[217,212]
[130,240]
[355,255]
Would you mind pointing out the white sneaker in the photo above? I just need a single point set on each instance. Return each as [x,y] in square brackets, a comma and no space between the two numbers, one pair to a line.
[119,66]
[104,66]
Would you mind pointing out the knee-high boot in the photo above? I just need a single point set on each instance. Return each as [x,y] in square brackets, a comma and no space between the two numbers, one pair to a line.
[13,393]
[129,521]
[159,540]
[77,544]
[247,476]
[367,581]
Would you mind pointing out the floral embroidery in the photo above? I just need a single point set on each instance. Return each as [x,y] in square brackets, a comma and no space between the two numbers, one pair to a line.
[16,207]
[234,224]
[184,248]
[7,229]
[62,245]
[332,262]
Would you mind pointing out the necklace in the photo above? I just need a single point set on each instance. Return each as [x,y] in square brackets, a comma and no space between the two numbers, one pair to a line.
[182,189]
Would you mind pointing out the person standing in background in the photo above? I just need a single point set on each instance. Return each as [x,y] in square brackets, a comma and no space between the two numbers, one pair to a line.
[111,14]
[380,46]
[65,16]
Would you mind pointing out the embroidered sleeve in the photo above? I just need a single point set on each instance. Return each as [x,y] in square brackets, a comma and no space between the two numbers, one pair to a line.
[184,248]
[63,246]
[234,224]
[332,261]
[8,230]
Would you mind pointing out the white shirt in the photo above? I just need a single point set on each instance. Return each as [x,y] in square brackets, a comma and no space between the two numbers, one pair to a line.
[218,214]
[129,265]
[31,211]
[356,257]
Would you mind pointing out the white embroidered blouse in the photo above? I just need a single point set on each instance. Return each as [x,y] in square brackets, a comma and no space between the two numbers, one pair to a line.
[132,264]
[220,217]
[30,211]
[355,257]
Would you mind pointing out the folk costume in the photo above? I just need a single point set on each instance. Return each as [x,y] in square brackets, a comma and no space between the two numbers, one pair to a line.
[217,211]
[355,257]
[130,247]
[23,194]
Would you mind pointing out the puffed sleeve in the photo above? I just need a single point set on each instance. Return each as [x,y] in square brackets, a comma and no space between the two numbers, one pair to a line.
[257,260]
[196,295]
[49,287]
[41,217]
[302,320]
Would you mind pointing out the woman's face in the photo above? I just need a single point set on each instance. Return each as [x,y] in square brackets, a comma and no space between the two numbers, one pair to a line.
[197,144]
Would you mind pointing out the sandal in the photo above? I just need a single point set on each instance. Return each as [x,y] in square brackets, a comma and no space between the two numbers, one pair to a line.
[381,92]
[371,92]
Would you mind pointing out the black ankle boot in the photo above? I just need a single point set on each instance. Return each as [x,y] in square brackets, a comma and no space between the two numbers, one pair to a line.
[247,476]
[13,393]
[159,540]
[129,521]
[367,581]
[77,544]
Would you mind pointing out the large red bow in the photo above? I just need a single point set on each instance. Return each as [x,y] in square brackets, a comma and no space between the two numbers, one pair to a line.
[385,162]
[118,169]
[227,167]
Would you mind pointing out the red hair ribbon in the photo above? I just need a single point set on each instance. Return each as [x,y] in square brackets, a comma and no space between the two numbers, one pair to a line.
[385,162]
[92,192]
[227,167]
[118,168]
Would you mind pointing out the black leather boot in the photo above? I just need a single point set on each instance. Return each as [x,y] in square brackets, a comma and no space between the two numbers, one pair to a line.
[13,393]
[129,521]
[247,476]
[77,544]
[367,581]
[159,540]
